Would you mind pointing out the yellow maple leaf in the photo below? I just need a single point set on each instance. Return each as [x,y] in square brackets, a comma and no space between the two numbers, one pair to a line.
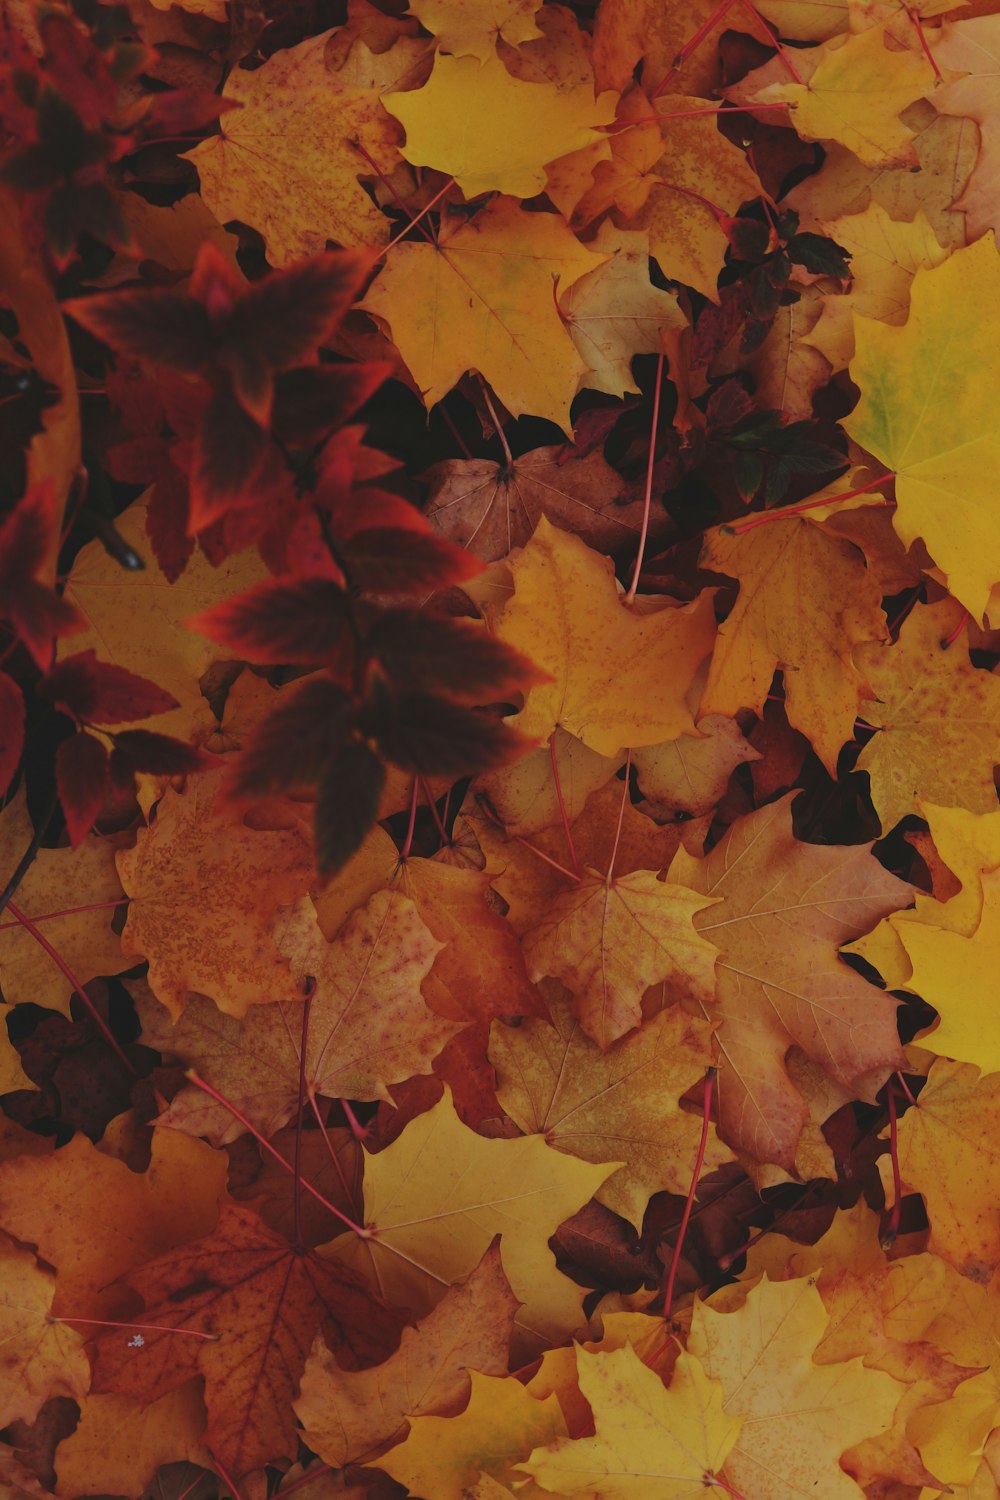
[600,654]
[519,127]
[652,1442]
[471,28]
[927,413]
[121,1441]
[957,975]
[553,1081]
[39,1358]
[434,1199]
[806,599]
[937,717]
[798,1416]
[689,774]
[481,298]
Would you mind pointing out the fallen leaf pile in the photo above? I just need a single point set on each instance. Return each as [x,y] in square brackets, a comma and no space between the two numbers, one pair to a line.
[499,717]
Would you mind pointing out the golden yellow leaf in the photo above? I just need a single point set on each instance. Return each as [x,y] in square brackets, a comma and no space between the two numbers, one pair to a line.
[38,1358]
[600,653]
[609,940]
[689,774]
[806,599]
[553,1081]
[523,795]
[443,1456]
[957,976]
[519,127]
[471,28]
[925,411]
[652,1442]
[937,717]
[798,1416]
[855,92]
[435,1198]
[121,1442]
[481,298]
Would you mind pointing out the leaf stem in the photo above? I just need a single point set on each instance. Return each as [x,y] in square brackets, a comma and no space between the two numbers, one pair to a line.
[648,495]
[297,1189]
[30,854]
[675,1259]
[497,424]
[564,815]
[621,819]
[797,510]
[190,1333]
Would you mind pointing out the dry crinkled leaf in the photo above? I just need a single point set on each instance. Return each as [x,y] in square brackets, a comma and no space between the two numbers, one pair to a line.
[38,1358]
[652,1442]
[284,162]
[610,939]
[348,1414]
[435,1198]
[615,313]
[368,1024]
[856,88]
[225,947]
[787,908]
[689,774]
[925,411]
[491,508]
[136,618]
[471,28]
[121,1442]
[481,298]
[553,1081]
[519,126]
[600,653]
[806,599]
[946,1154]
[95,1220]
[968,845]
[262,1301]
[502,1423]
[798,1416]
[937,718]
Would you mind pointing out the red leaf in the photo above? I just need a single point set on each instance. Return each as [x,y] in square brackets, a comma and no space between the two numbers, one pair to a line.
[291,747]
[167,517]
[229,452]
[11,730]
[347,804]
[283,319]
[81,780]
[39,615]
[160,754]
[277,622]
[27,534]
[310,400]
[99,692]
[449,656]
[435,737]
[405,562]
[152,323]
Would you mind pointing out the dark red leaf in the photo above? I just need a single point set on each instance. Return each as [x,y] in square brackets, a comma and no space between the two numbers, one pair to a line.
[276,622]
[347,804]
[436,737]
[152,323]
[449,656]
[229,452]
[99,692]
[167,522]
[291,747]
[81,780]
[27,533]
[160,754]
[310,400]
[39,615]
[11,730]
[405,562]
[283,319]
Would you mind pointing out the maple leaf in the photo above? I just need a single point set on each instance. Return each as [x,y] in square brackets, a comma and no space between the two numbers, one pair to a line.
[610,938]
[926,694]
[798,1416]
[786,909]
[806,599]
[120,1442]
[35,611]
[598,652]
[650,1441]
[260,1302]
[472,30]
[689,774]
[435,1197]
[521,126]
[348,1414]
[971,49]
[492,508]
[600,1105]
[226,950]
[500,1425]
[481,298]
[39,1358]
[942,465]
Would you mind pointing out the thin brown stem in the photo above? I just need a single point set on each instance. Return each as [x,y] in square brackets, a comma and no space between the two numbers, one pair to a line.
[190,1333]
[675,1259]
[648,494]
[300,1119]
[497,424]
[621,819]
